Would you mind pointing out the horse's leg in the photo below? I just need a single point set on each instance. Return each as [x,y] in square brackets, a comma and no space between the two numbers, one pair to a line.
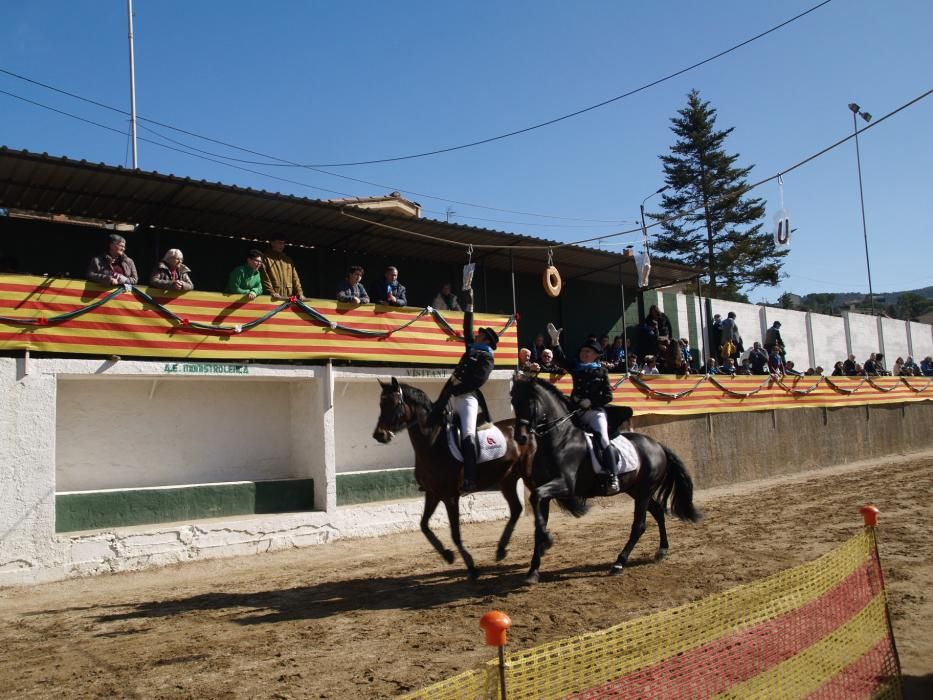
[510,492]
[657,512]
[541,508]
[638,528]
[430,505]
[556,488]
[453,514]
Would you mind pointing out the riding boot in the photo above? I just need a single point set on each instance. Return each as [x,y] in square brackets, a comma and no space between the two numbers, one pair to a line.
[468,450]
[607,460]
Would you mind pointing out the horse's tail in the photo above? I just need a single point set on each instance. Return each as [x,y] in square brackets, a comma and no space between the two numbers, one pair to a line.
[576,506]
[678,486]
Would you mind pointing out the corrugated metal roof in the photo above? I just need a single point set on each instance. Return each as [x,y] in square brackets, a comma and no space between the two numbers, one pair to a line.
[59,185]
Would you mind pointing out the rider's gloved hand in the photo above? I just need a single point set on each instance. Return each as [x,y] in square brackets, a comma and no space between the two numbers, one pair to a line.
[586,403]
[554,333]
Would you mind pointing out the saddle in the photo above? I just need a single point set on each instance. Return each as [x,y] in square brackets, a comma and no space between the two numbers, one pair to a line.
[623,452]
[490,442]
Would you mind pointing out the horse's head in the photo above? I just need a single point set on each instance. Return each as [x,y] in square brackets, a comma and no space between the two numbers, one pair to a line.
[523,405]
[394,413]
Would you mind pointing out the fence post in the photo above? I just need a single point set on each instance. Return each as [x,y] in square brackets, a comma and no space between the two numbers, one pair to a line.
[496,625]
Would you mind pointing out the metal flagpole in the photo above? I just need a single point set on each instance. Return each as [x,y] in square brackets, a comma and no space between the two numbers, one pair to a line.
[129,14]
[624,322]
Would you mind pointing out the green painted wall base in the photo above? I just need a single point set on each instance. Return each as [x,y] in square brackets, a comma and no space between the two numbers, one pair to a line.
[376,486]
[102,509]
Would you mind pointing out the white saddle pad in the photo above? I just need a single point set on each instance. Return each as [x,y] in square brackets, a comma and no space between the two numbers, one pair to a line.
[491,444]
[630,460]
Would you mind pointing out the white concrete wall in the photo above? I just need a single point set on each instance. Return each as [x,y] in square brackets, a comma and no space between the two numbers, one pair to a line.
[120,432]
[357,408]
[894,337]
[829,340]
[863,334]
[793,332]
[747,316]
[921,338]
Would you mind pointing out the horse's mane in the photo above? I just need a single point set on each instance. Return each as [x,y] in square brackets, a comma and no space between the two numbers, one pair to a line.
[552,390]
[416,395]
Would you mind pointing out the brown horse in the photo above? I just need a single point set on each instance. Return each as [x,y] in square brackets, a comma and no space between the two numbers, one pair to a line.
[440,476]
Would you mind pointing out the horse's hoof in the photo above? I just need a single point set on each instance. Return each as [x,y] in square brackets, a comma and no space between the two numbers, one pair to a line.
[616,570]
[473,575]
[660,554]
[501,554]
[448,556]
[531,579]
[547,539]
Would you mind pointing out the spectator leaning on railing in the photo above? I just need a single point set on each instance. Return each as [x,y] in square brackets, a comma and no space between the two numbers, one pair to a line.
[172,273]
[113,267]
[245,279]
[351,289]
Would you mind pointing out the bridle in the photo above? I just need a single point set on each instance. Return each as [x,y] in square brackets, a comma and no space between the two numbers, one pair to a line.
[408,414]
[543,428]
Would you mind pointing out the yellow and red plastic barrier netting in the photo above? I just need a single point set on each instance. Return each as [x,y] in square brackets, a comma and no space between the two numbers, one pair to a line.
[75,316]
[820,630]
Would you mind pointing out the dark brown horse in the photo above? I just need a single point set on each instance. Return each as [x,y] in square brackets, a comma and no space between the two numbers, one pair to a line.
[440,476]
[561,470]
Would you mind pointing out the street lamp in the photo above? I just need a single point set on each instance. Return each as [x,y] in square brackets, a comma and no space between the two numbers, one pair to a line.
[858,159]
[641,207]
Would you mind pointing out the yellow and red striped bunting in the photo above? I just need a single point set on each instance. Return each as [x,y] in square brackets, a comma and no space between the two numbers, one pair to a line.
[652,395]
[126,325]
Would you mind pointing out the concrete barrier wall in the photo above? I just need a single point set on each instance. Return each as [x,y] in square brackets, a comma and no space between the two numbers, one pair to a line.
[921,339]
[894,337]
[793,332]
[863,335]
[828,335]
[356,408]
[747,316]
[725,448]
[196,431]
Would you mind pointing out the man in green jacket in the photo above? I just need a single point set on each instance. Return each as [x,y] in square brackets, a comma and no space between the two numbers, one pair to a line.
[245,279]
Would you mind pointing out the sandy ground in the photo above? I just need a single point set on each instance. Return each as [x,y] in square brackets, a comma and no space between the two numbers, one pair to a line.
[373,618]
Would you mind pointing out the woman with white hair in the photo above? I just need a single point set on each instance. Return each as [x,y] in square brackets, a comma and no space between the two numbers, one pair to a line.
[172,273]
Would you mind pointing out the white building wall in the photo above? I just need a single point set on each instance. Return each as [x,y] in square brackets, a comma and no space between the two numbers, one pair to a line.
[894,335]
[829,340]
[357,408]
[120,432]
[863,334]
[921,337]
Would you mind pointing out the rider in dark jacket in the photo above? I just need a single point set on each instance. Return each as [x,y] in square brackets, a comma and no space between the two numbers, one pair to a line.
[463,387]
[591,393]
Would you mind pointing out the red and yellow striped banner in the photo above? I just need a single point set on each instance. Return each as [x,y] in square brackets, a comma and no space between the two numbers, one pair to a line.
[819,630]
[669,395]
[128,325]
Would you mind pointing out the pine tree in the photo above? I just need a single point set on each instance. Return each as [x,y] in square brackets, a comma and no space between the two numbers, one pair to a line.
[713,226]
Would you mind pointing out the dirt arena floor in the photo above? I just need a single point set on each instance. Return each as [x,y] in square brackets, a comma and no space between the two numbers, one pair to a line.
[373,618]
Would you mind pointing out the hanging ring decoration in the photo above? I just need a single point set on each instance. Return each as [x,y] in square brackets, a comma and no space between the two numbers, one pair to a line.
[551,278]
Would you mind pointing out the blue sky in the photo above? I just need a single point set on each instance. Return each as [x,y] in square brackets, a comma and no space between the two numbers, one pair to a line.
[318,82]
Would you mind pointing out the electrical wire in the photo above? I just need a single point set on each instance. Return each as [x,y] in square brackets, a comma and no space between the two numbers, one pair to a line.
[739,193]
[550,246]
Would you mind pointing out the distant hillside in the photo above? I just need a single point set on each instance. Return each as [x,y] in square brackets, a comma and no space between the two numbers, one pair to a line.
[889,297]
[917,302]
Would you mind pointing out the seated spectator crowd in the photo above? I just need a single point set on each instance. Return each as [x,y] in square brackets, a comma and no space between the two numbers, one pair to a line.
[271,272]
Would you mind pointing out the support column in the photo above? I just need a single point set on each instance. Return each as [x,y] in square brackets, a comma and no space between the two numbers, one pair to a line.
[27,472]
[312,436]
[811,352]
